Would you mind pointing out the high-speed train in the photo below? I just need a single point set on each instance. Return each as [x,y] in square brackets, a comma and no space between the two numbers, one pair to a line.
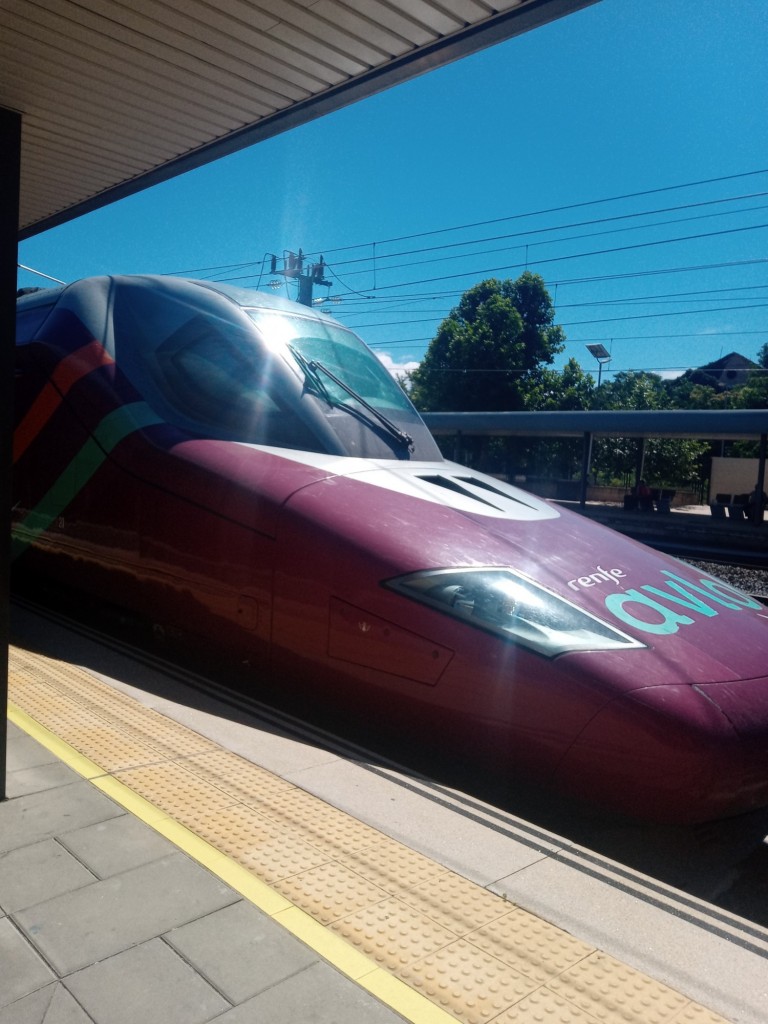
[244,471]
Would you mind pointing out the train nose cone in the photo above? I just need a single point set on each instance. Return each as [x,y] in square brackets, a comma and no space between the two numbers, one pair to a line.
[744,702]
[675,753]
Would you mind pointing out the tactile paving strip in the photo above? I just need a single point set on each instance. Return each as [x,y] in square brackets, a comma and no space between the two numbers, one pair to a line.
[470,984]
[323,825]
[64,690]
[392,934]
[330,891]
[601,986]
[470,952]
[240,778]
[530,945]
[256,843]
[391,865]
[179,792]
[456,903]
[541,1006]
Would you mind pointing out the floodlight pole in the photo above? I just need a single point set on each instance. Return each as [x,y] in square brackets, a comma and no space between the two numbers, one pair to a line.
[603,356]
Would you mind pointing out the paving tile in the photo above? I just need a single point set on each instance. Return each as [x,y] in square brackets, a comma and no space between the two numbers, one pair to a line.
[391,865]
[392,933]
[542,1006]
[24,752]
[38,779]
[28,819]
[22,969]
[240,951]
[329,892]
[455,903]
[50,1005]
[268,850]
[532,946]
[117,845]
[467,982]
[601,985]
[37,873]
[79,928]
[148,983]
[319,995]
[175,789]
[675,950]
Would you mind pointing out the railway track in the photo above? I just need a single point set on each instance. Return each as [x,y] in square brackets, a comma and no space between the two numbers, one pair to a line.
[747,574]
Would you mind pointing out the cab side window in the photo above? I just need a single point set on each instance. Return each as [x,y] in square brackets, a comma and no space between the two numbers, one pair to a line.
[202,371]
[209,377]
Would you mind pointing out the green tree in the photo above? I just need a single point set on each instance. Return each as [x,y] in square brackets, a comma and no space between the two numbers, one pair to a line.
[753,394]
[632,389]
[487,351]
[667,462]
[685,393]
[673,463]
[552,390]
[569,388]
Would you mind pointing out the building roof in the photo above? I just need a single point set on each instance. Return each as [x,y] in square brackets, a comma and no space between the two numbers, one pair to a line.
[727,372]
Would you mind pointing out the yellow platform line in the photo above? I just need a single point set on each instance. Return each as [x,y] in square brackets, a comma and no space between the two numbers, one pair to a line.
[179,767]
[344,957]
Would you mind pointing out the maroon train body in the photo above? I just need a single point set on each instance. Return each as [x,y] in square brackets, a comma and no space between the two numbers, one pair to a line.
[243,470]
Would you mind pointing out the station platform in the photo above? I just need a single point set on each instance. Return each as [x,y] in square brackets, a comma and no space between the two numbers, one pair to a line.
[166,860]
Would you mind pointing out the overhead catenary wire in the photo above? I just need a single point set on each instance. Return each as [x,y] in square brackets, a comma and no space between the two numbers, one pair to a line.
[528,244]
[520,216]
[716,295]
[570,206]
[506,268]
[593,279]
[581,341]
[392,287]
[479,273]
[527,235]
[517,372]
[609,319]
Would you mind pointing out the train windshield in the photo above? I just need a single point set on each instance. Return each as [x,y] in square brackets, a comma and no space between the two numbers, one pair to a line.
[335,350]
[213,360]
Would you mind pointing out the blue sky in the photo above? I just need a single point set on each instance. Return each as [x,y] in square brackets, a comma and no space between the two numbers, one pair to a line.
[420,192]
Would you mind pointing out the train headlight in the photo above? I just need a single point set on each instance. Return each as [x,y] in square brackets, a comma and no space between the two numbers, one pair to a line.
[513,607]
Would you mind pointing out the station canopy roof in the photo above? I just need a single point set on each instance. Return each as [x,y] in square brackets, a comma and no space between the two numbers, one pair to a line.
[117,95]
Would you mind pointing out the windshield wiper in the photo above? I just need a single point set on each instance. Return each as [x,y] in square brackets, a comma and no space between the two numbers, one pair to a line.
[313,368]
[394,430]
[311,375]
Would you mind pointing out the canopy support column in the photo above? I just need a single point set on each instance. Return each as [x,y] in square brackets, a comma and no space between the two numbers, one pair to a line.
[757,512]
[586,462]
[10,145]
[640,463]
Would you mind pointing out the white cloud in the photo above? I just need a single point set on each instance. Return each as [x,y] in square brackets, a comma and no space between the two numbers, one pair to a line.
[396,369]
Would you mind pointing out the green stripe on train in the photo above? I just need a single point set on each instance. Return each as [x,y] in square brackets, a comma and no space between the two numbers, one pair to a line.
[112,429]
